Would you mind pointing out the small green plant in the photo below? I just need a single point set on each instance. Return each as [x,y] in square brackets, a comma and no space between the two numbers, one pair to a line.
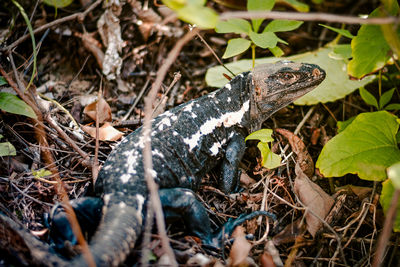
[384,99]
[264,39]
[269,159]
[12,104]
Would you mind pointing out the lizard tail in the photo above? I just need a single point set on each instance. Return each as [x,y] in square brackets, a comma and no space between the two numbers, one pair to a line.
[116,236]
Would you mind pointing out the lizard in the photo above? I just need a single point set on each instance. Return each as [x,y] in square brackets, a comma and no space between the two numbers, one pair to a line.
[187,142]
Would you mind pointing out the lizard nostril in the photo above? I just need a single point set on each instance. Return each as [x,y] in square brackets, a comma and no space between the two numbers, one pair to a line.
[316,72]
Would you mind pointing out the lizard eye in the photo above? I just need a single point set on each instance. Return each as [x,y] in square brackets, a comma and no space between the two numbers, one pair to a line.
[286,78]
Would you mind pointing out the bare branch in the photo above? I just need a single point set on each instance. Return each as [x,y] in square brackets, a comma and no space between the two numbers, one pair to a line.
[307,17]
[147,157]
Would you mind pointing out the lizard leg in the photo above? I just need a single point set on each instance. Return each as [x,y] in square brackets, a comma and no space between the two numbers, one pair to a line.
[88,211]
[181,203]
[230,165]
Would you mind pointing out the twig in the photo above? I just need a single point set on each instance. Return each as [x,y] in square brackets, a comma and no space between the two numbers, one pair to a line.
[177,76]
[80,16]
[147,158]
[307,17]
[136,100]
[215,55]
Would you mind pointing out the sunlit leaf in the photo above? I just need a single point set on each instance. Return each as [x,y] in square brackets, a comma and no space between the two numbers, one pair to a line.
[370,51]
[264,40]
[366,147]
[233,25]
[236,46]
[270,160]
[282,25]
[264,135]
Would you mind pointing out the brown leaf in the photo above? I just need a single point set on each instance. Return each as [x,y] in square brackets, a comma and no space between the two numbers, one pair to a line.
[314,198]
[316,133]
[106,132]
[273,252]
[289,233]
[298,147]
[266,260]
[240,247]
[104,110]
[94,46]
[245,180]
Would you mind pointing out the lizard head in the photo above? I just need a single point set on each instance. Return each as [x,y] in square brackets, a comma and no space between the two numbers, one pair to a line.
[276,85]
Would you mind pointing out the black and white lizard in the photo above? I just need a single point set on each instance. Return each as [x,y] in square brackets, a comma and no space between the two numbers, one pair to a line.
[187,142]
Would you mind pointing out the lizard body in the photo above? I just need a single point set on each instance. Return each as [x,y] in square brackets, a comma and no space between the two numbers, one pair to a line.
[187,142]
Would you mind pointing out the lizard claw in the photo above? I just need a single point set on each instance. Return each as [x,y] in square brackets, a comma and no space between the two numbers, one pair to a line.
[215,241]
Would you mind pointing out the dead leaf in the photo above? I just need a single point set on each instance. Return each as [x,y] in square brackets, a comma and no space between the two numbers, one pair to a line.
[110,33]
[106,132]
[316,133]
[314,198]
[266,260]
[271,251]
[240,247]
[298,147]
[245,180]
[289,233]
[94,46]
[104,110]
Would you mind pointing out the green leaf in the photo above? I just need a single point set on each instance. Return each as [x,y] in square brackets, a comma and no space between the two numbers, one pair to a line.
[203,17]
[58,3]
[366,147]
[370,50]
[233,25]
[343,32]
[341,52]
[7,149]
[394,106]
[236,46]
[393,173]
[259,5]
[276,51]
[368,97]
[386,199]
[270,160]
[341,125]
[282,25]
[335,86]
[12,104]
[385,98]
[299,6]
[264,135]
[2,81]
[264,40]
